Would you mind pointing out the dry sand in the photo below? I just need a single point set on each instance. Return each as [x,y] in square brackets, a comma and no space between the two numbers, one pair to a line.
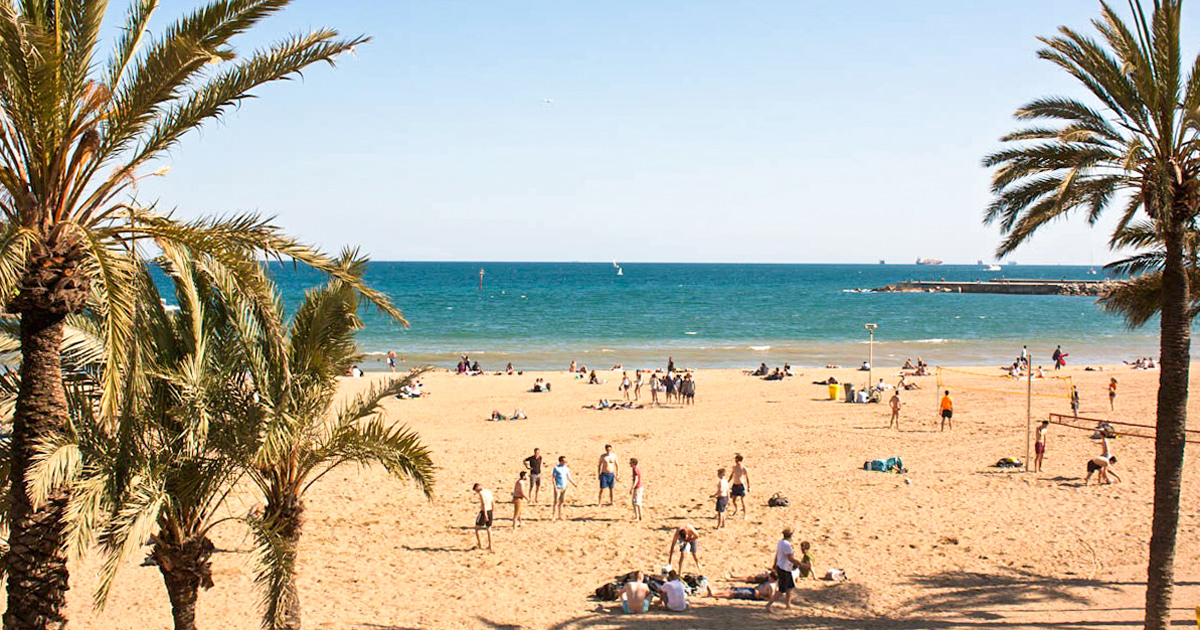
[964,545]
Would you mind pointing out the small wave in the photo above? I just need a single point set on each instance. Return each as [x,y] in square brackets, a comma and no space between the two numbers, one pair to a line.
[760,348]
[690,332]
[934,340]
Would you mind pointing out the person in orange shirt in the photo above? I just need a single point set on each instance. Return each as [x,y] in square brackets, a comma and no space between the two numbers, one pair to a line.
[947,411]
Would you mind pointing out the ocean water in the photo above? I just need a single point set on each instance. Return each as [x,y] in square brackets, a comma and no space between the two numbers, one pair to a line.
[543,315]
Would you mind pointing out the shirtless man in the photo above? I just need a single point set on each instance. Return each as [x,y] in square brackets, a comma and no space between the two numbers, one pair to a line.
[637,488]
[739,485]
[1039,445]
[895,402]
[1102,465]
[484,519]
[635,596]
[606,470]
[685,539]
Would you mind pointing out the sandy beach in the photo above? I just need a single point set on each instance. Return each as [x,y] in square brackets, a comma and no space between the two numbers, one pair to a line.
[955,543]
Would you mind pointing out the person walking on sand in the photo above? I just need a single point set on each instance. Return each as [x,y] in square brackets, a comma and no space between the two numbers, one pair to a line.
[519,496]
[637,385]
[654,385]
[562,477]
[637,489]
[484,519]
[895,402]
[785,564]
[947,407]
[1112,394]
[626,384]
[722,497]
[1074,401]
[1039,445]
[606,470]
[739,485]
[685,538]
[533,464]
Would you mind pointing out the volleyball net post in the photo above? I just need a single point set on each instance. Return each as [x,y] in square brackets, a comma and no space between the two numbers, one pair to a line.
[1008,385]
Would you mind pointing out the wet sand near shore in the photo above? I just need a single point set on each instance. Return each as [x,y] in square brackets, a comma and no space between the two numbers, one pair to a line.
[961,545]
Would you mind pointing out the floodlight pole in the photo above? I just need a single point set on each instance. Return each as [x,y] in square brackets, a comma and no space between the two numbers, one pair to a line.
[1028,408]
[871,355]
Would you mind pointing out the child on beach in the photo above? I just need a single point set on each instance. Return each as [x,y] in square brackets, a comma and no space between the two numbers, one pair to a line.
[806,561]
[722,497]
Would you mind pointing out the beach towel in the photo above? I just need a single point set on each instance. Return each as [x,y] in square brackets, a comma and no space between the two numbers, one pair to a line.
[891,464]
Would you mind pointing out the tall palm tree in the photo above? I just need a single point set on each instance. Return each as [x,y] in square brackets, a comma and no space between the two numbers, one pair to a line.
[303,436]
[76,134]
[1138,151]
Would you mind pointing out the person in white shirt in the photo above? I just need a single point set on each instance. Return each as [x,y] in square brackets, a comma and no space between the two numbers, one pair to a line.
[484,520]
[674,594]
[785,564]
[722,497]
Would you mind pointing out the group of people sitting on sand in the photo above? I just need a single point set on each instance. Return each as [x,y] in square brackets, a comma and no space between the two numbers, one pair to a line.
[1143,363]
[767,374]
[539,386]
[465,366]
[639,591]
[919,369]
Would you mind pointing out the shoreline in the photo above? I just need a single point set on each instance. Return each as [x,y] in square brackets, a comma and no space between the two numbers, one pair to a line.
[750,353]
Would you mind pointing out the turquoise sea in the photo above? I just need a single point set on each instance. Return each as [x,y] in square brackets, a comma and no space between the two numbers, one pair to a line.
[543,315]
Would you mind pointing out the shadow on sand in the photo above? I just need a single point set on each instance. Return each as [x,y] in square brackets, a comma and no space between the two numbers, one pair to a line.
[953,599]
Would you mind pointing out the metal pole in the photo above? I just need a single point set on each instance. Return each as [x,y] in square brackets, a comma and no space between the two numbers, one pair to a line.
[871,359]
[1028,408]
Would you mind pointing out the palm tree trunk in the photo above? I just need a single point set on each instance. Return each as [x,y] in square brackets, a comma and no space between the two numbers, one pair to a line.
[37,563]
[1174,363]
[288,518]
[185,569]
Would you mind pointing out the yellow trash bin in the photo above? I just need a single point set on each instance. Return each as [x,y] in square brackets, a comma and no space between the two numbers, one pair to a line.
[835,391]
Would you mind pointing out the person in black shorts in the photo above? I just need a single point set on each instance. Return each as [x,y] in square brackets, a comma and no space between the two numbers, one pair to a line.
[533,464]
[784,563]
[484,519]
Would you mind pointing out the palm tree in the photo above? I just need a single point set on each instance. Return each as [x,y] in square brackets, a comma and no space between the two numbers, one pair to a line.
[161,474]
[1137,151]
[76,135]
[300,440]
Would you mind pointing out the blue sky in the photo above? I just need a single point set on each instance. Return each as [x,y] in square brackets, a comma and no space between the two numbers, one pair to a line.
[762,131]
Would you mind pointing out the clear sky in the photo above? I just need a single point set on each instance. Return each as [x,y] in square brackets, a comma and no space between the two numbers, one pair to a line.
[766,131]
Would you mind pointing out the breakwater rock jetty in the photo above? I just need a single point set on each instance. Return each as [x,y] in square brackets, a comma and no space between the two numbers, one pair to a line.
[1014,286]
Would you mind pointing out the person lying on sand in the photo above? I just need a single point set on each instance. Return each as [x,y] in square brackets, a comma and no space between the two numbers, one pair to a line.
[635,595]
[761,593]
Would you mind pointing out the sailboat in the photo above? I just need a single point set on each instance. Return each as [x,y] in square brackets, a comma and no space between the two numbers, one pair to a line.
[619,271]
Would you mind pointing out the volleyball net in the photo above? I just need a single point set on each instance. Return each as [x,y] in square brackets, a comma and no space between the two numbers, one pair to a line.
[1121,429]
[1045,386]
